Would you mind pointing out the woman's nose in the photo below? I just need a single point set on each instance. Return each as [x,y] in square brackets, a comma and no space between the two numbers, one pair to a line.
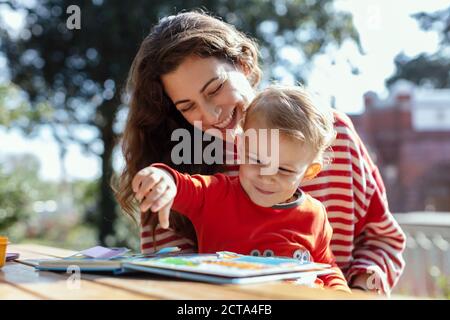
[210,113]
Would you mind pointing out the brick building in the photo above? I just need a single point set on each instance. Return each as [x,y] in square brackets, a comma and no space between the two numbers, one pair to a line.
[408,135]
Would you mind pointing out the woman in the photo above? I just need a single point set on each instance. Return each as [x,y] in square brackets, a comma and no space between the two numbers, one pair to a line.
[194,71]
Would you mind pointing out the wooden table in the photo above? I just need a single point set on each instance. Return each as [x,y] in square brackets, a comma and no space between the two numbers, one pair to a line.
[21,281]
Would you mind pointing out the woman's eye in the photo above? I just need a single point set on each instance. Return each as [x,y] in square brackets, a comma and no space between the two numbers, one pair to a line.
[189,107]
[216,89]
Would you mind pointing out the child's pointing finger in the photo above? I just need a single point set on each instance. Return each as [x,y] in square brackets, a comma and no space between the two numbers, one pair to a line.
[163,216]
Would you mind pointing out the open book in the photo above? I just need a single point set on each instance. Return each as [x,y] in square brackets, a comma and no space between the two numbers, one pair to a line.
[228,267]
[222,267]
[96,259]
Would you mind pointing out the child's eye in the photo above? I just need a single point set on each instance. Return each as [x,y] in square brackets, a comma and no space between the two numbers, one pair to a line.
[285,172]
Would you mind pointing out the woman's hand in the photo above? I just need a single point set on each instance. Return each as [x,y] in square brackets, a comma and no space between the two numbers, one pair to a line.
[155,189]
[363,282]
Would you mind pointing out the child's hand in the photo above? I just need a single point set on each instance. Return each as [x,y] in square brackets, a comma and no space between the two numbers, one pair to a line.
[155,189]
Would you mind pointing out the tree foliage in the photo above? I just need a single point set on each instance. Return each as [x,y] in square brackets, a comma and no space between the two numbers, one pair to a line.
[428,69]
[18,182]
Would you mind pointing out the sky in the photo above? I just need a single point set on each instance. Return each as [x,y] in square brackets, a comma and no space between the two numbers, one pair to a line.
[386,28]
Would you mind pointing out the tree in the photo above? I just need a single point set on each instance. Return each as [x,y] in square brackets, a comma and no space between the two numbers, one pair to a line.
[16,112]
[18,181]
[80,73]
[431,69]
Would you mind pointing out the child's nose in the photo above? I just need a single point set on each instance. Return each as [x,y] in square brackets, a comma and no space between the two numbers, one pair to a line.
[267,178]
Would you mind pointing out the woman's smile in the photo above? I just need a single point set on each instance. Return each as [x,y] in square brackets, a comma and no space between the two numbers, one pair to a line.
[225,124]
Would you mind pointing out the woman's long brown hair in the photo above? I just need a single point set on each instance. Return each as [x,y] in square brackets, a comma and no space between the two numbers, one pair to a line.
[152,116]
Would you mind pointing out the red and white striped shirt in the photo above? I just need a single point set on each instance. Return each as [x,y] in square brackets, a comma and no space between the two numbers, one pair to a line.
[366,238]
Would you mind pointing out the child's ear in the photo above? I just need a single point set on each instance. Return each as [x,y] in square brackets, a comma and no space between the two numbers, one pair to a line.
[312,171]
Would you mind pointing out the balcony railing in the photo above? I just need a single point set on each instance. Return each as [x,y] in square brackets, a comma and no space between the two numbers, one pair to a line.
[427,254]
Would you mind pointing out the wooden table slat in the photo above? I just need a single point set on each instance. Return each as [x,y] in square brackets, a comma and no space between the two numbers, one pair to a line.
[43,250]
[51,285]
[10,292]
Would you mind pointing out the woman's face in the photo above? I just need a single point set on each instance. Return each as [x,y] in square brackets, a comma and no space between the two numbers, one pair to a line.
[210,93]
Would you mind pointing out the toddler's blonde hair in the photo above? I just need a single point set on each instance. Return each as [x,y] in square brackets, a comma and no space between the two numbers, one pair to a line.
[293,111]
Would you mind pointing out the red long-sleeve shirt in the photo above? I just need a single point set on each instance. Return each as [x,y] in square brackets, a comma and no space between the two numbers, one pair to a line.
[225,219]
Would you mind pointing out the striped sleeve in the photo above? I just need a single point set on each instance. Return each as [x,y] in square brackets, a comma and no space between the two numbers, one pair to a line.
[378,242]
[162,238]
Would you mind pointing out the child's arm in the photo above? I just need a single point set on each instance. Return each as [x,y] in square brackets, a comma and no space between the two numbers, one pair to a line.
[323,254]
[160,187]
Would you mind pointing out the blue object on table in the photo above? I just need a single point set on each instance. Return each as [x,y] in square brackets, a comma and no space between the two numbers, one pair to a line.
[168,250]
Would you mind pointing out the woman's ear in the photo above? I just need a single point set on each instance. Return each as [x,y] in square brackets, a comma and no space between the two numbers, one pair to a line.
[312,171]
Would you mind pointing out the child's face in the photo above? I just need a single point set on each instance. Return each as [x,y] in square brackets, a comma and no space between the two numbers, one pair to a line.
[294,161]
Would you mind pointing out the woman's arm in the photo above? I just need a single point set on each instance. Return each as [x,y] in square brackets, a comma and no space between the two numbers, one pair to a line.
[379,241]
[379,244]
